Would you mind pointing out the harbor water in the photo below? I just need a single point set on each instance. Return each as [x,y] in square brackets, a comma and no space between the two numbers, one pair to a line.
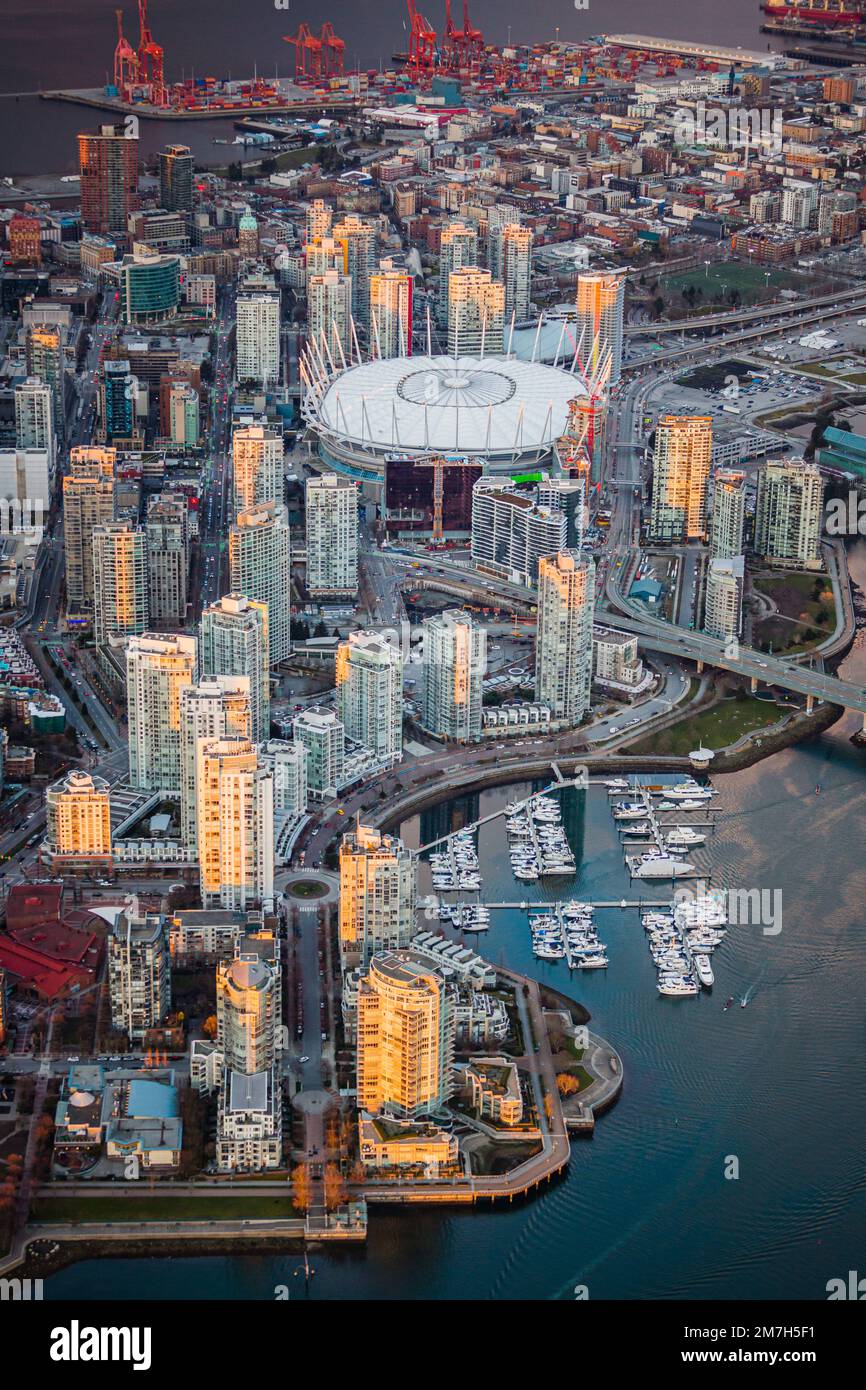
[645,1210]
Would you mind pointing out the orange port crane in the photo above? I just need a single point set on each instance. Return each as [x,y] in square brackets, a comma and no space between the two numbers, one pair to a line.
[308,52]
[333,51]
[452,41]
[461,48]
[151,60]
[317,55]
[125,62]
[423,43]
[473,39]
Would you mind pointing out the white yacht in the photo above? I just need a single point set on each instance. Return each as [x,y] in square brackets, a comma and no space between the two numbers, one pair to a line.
[679,836]
[677,985]
[689,788]
[660,866]
[705,971]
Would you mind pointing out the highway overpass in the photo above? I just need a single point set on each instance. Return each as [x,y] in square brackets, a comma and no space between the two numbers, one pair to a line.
[663,637]
[791,309]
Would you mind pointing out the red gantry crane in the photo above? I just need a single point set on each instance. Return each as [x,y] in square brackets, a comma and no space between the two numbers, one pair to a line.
[317,55]
[473,39]
[452,41]
[461,48]
[333,51]
[423,43]
[151,60]
[125,62]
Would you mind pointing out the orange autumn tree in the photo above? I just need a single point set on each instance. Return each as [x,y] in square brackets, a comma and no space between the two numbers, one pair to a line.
[336,1191]
[302,1187]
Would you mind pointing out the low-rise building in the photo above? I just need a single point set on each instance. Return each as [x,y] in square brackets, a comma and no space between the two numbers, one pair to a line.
[388,1143]
[123,1122]
[492,1087]
[616,662]
[250,1125]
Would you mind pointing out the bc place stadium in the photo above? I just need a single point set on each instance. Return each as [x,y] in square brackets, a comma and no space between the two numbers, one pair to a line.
[504,412]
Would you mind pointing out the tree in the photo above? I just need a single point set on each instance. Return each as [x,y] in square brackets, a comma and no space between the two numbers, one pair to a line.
[302,1187]
[336,1191]
[209,1027]
[567,1085]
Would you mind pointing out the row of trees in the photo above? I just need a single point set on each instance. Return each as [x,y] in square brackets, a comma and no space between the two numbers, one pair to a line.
[336,1189]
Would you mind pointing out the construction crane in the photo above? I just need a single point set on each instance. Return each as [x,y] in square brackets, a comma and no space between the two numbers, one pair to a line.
[439,464]
[125,62]
[423,43]
[586,413]
[151,60]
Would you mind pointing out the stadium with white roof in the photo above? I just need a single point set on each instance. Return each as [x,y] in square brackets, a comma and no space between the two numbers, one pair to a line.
[505,412]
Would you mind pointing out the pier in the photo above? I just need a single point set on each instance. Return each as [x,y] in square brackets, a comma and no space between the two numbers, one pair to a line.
[540,905]
[558,785]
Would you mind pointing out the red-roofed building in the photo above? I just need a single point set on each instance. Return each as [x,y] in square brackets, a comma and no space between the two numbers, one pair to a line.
[62,941]
[31,903]
[33,972]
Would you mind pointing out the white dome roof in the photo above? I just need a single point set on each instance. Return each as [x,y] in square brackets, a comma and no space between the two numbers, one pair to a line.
[417,405]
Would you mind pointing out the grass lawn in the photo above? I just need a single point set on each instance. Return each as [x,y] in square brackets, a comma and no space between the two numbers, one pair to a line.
[570,1046]
[289,159]
[314,889]
[98,1208]
[829,371]
[806,611]
[713,728]
[716,281]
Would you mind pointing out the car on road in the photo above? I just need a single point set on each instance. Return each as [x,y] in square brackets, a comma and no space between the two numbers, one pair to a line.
[305,1058]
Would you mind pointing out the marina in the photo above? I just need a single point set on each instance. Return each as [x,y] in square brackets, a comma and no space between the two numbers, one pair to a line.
[567,930]
[637,819]
[681,941]
[455,869]
[538,844]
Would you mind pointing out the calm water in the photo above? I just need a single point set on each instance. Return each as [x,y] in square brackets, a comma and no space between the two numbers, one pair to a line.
[46,45]
[644,1211]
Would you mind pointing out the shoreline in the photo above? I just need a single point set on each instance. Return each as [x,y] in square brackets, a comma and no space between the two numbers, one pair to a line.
[422,799]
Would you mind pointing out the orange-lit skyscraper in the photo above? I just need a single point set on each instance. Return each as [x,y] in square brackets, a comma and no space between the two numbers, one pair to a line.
[681,471]
[563,654]
[391,313]
[405,1037]
[108,162]
[600,309]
